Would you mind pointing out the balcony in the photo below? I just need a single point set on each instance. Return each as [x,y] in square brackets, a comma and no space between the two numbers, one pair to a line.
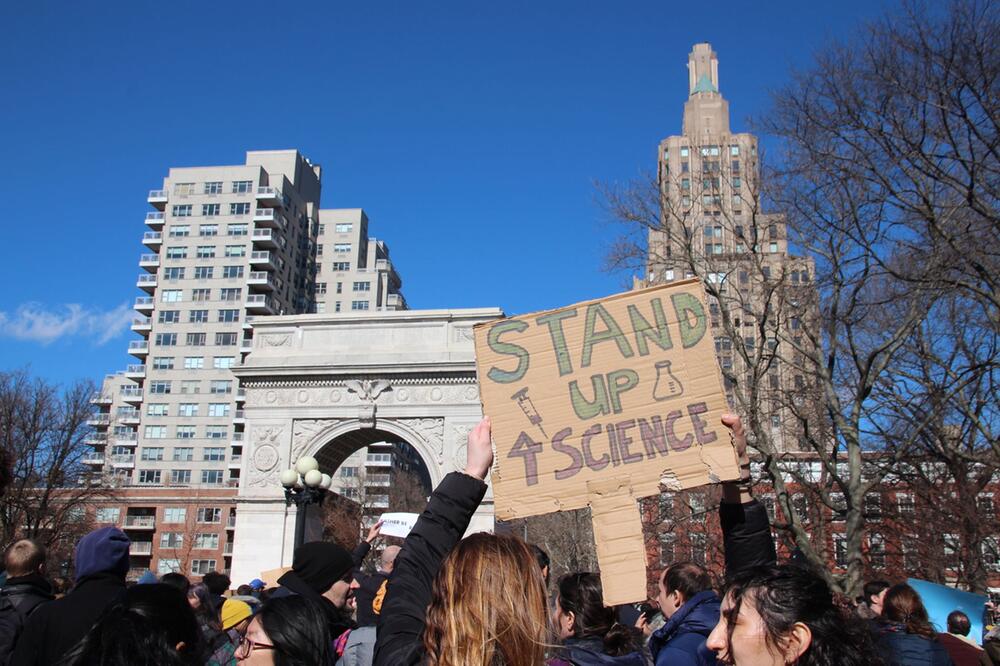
[248,322]
[395,302]
[241,394]
[230,522]
[261,280]
[261,303]
[262,259]
[157,199]
[146,282]
[152,240]
[140,522]
[98,420]
[144,304]
[141,548]
[131,394]
[246,345]
[150,262]
[378,460]
[130,438]
[235,461]
[142,324]
[99,398]
[136,371]
[268,218]
[228,548]
[96,439]
[123,460]
[270,196]
[239,416]
[93,459]
[264,238]
[154,220]
[138,348]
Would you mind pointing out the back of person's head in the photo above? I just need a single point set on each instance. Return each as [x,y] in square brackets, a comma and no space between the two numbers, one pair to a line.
[152,625]
[24,557]
[103,551]
[543,559]
[297,628]
[388,559]
[785,596]
[177,581]
[200,598]
[958,623]
[873,588]
[244,590]
[487,606]
[687,578]
[903,605]
[218,583]
[581,595]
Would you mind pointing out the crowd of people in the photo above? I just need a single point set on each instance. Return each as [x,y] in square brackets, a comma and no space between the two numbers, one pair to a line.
[441,600]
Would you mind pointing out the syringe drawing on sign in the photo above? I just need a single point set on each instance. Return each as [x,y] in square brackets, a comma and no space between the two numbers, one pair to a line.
[528,407]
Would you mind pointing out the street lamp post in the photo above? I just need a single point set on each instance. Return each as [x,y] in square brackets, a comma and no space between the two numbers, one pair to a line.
[304,485]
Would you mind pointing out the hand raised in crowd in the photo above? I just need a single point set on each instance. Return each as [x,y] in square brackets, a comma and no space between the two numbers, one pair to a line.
[480,450]
[373,532]
[739,437]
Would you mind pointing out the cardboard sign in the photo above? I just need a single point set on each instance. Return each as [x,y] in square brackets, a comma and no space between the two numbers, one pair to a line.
[599,404]
[271,576]
[398,524]
[940,600]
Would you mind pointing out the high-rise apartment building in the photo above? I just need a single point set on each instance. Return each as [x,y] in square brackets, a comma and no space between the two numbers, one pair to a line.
[712,225]
[225,244]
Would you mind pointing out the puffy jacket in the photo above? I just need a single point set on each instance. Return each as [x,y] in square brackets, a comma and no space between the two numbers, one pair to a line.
[899,648]
[590,652]
[681,641]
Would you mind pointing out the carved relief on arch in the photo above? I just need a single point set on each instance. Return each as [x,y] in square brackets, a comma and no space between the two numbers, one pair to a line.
[304,431]
[265,459]
[431,431]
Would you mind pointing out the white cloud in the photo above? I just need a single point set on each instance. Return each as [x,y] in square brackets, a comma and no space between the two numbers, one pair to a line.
[35,322]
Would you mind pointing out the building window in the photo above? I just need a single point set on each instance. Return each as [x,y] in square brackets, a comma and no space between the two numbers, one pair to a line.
[152,453]
[359,305]
[157,409]
[362,286]
[171,539]
[166,565]
[190,386]
[163,362]
[320,288]
[236,250]
[181,211]
[184,188]
[698,548]
[180,476]
[196,339]
[155,432]
[876,551]
[149,476]
[174,515]
[187,409]
[209,514]
[202,567]
[177,253]
[172,296]
[185,432]
[197,317]
[183,453]
[173,273]
[667,542]
[840,550]
[991,554]
[208,230]
[210,210]
[985,506]
[905,503]
[800,507]
[221,386]
[341,266]
[160,386]
[211,477]
[179,231]
[218,409]
[213,187]
[107,514]
[225,339]
[229,315]
[341,247]
[223,362]
[241,208]
[206,541]
[336,306]
[231,294]
[952,547]
[240,229]
[343,228]
[216,432]
[201,295]
[213,453]
[230,272]
[242,186]
[206,252]
[873,506]
[169,316]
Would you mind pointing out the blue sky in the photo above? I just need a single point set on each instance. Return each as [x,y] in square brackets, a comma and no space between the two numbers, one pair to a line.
[471,133]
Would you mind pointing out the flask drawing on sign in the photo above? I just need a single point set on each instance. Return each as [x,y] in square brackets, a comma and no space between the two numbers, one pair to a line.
[667,385]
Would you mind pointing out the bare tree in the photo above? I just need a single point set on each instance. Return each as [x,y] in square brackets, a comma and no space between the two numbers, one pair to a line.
[42,432]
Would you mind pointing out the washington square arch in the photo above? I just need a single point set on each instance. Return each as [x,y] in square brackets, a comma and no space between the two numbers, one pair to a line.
[328,386]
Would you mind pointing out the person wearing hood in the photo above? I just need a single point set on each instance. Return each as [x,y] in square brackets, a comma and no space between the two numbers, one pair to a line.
[54,628]
[24,591]
[321,571]
[691,610]
[589,631]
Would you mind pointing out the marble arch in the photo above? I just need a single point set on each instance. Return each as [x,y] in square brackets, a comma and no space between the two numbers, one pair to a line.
[326,386]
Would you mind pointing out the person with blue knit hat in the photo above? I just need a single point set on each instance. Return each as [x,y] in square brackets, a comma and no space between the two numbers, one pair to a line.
[101,560]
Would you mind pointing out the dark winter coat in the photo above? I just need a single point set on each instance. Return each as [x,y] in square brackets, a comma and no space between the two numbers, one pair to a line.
[19,598]
[590,652]
[54,628]
[439,528]
[681,641]
[746,536]
[899,648]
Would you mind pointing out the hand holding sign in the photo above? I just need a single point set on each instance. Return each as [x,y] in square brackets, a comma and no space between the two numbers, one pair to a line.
[480,450]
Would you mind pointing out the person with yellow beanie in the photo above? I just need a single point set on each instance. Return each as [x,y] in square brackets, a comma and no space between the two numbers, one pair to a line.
[236,615]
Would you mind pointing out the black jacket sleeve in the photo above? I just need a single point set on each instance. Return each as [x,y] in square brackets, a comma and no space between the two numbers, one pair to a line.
[746,536]
[360,552]
[439,528]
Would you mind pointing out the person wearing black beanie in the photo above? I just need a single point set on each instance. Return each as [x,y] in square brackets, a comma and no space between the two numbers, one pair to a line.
[322,572]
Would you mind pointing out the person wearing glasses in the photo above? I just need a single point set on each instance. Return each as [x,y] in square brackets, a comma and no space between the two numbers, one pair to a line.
[287,631]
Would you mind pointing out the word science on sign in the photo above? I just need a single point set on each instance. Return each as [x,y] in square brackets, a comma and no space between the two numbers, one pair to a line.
[625,388]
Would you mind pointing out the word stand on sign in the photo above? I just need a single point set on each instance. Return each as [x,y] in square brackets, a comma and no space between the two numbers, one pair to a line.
[600,404]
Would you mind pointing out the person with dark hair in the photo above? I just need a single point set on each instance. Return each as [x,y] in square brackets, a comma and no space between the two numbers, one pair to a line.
[906,636]
[691,609]
[236,616]
[25,590]
[102,559]
[588,629]
[151,626]
[774,614]
[217,584]
[870,605]
[287,631]
[543,561]
[963,650]
[178,581]
[201,600]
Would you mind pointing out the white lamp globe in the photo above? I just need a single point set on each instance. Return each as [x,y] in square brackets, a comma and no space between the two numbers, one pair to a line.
[289,478]
[326,482]
[313,478]
[306,464]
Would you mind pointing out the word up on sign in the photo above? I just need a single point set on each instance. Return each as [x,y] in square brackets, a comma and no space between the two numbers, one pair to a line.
[601,403]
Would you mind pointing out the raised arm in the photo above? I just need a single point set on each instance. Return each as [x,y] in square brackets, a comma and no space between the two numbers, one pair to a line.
[438,529]
[746,531]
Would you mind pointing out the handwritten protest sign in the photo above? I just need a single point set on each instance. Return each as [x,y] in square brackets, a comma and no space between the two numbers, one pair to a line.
[599,404]
[398,524]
